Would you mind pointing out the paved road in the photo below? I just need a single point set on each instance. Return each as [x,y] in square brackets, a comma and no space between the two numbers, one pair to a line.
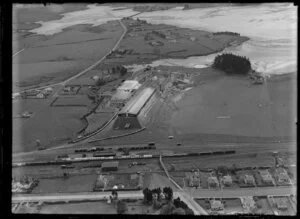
[62,83]
[187,198]
[233,193]
[18,52]
[74,196]
[87,196]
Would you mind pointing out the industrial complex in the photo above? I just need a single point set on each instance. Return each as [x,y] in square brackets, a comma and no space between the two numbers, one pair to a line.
[138,129]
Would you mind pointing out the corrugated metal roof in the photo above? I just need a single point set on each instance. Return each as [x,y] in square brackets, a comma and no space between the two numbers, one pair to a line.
[134,105]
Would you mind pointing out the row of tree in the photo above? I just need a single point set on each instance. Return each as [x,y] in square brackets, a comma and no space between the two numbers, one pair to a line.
[227,33]
[232,64]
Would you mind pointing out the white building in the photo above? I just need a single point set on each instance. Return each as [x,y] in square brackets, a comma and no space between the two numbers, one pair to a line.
[124,92]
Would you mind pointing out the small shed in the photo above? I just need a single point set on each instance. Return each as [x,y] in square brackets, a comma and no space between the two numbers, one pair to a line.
[110,166]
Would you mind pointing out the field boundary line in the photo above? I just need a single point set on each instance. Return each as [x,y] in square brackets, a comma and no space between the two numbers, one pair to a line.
[97,131]
[118,136]
[167,173]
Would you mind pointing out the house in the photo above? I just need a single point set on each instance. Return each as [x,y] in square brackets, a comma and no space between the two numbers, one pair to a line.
[248,203]
[67,89]
[227,180]
[48,90]
[194,181]
[216,205]
[283,177]
[266,177]
[213,181]
[248,179]
[40,96]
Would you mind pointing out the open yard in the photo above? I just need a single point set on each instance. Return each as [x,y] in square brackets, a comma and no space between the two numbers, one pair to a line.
[78,183]
[233,206]
[281,205]
[263,206]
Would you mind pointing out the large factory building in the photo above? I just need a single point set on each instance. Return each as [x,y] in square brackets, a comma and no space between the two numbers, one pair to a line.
[128,116]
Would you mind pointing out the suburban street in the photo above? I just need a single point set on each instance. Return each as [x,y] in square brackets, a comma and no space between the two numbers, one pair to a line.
[74,196]
[234,193]
[198,210]
[187,196]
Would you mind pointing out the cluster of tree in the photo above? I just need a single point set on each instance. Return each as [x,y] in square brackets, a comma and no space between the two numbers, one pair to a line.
[186,7]
[168,205]
[160,34]
[92,93]
[181,205]
[119,70]
[232,64]
[100,82]
[226,33]
[121,206]
[148,194]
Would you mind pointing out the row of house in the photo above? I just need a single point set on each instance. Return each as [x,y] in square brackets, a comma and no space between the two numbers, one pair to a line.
[245,179]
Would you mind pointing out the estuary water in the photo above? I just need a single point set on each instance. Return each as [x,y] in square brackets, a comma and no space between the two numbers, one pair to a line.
[272,29]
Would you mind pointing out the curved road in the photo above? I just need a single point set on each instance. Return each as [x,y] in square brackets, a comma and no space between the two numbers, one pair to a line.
[88,68]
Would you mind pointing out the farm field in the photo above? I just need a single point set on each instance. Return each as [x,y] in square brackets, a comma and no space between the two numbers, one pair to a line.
[66,57]
[78,183]
[51,125]
[240,161]
[128,181]
[220,98]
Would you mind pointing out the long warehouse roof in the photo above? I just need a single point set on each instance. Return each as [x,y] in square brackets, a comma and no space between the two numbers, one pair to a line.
[134,105]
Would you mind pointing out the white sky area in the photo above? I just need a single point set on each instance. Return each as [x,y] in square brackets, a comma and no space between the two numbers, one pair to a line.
[271,27]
